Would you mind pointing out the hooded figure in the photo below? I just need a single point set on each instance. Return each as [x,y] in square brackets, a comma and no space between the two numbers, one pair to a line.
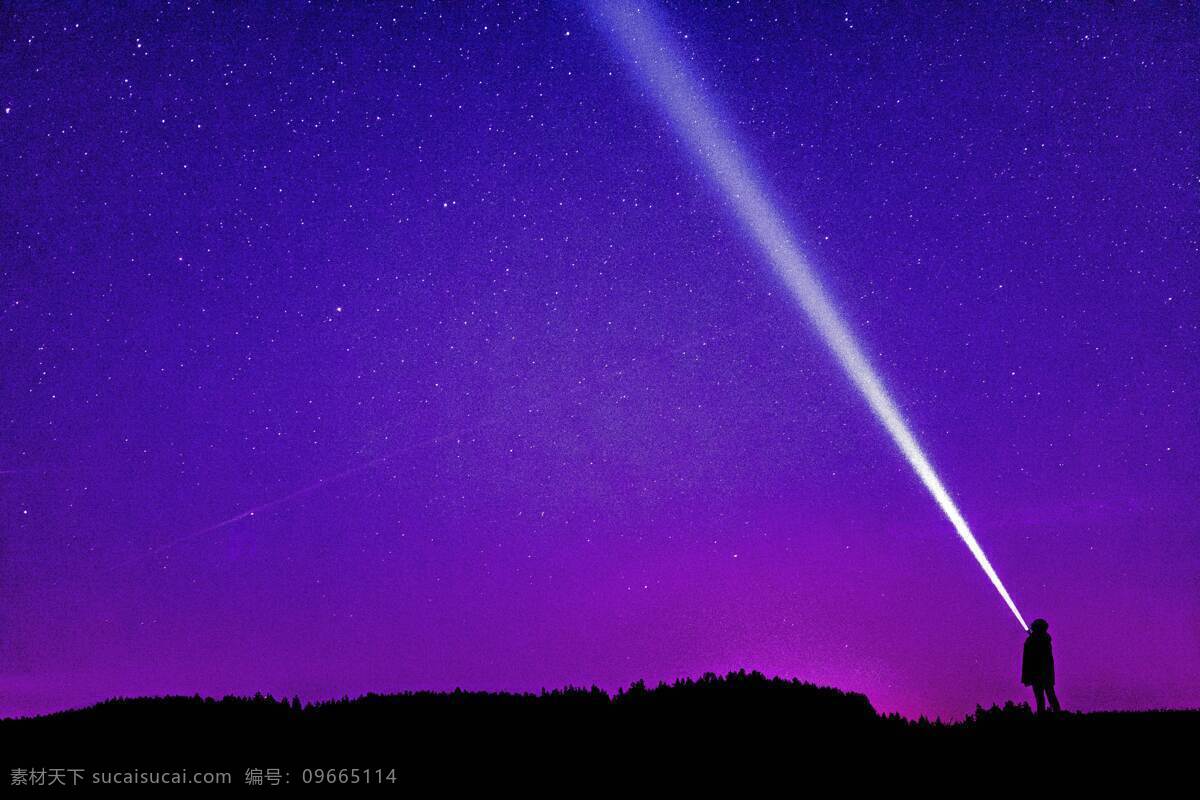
[1037,665]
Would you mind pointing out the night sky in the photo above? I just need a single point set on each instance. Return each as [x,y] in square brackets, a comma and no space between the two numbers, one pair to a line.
[437,294]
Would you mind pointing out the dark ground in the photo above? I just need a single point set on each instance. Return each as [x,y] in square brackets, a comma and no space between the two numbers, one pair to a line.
[685,733]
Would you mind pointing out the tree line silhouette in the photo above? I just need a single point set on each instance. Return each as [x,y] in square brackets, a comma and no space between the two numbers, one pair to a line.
[740,709]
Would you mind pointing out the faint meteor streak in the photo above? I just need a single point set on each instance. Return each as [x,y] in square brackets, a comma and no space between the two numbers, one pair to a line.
[302,491]
[659,67]
[312,487]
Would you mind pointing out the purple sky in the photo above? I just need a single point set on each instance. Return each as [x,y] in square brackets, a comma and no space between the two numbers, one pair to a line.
[451,265]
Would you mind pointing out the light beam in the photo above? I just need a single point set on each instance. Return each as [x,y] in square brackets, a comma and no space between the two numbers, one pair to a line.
[659,67]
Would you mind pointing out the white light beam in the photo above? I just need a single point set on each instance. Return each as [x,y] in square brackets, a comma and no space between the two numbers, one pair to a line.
[661,70]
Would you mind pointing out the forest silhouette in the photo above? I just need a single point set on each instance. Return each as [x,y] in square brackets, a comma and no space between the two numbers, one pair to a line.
[740,710]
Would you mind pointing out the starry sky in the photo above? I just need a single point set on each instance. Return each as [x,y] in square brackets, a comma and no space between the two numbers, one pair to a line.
[377,347]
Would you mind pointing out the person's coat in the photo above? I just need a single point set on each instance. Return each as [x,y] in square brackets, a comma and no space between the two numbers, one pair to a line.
[1037,662]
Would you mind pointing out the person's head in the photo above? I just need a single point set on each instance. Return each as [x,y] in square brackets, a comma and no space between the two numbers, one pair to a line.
[1039,626]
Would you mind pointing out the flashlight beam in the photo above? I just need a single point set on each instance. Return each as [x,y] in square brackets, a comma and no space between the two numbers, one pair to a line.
[662,71]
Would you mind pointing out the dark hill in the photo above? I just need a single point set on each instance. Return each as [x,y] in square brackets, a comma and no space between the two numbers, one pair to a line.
[746,713]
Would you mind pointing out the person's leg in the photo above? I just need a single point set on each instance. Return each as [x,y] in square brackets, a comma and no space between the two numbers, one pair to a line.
[1053,698]
[1040,695]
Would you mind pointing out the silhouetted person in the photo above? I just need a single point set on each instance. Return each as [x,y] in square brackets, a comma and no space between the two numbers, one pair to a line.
[1037,665]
